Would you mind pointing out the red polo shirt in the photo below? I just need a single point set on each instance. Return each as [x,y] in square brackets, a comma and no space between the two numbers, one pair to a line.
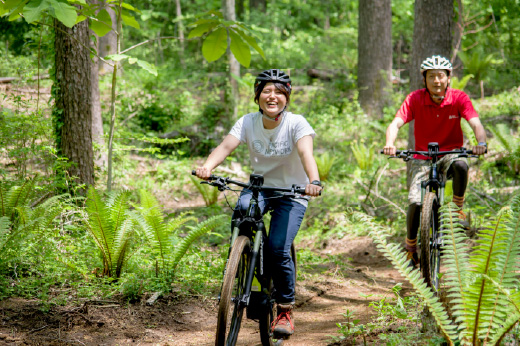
[437,123]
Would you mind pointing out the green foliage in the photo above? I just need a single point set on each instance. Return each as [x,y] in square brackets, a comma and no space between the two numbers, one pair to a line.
[168,248]
[219,31]
[460,84]
[325,162]
[112,227]
[483,297]
[209,193]
[364,155]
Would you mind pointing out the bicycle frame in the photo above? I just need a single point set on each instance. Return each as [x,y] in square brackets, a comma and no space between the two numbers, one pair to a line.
[434,181]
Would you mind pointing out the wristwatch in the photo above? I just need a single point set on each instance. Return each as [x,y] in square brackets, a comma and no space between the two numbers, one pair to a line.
[482,144]
[316,182]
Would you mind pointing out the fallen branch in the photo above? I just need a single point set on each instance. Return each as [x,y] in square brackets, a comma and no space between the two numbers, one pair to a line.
[482,194]
[379,196]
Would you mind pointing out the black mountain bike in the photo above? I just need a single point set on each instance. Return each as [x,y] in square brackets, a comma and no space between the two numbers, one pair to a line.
[432,198]
[245,275]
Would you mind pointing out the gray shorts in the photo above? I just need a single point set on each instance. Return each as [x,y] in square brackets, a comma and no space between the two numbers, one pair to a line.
[419,171]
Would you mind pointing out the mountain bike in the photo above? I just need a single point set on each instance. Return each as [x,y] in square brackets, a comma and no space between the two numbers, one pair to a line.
[432,198]
[245,274]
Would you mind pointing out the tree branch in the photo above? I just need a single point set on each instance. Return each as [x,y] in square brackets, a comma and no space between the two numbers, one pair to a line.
[150,40]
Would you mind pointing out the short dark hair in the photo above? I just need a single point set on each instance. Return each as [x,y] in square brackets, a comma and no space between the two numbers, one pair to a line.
[278,86]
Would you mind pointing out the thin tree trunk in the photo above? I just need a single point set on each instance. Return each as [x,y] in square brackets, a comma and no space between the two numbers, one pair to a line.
[98,138]
[73,100]
[108,43]
[234,65]
[180,29]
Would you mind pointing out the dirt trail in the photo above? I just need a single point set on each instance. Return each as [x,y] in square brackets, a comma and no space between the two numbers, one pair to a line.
[321,299]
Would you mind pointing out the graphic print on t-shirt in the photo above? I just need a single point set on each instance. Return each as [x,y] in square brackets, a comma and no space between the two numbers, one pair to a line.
[278,149]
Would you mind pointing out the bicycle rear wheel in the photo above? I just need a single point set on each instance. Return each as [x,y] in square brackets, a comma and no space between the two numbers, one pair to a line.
[430,240]
[231,306]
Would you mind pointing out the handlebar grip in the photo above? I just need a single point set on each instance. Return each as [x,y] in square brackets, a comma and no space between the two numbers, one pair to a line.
[193,172]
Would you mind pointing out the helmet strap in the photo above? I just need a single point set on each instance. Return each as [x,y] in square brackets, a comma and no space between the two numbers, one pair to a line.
[272,119]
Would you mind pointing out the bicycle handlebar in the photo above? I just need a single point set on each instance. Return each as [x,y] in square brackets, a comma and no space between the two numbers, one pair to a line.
[404,154]
[222,182]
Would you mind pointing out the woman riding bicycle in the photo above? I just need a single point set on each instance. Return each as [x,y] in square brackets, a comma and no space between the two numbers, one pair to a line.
[437,111]
[280,147]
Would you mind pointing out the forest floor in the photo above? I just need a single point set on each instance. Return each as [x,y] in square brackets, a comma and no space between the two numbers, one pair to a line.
[321,300]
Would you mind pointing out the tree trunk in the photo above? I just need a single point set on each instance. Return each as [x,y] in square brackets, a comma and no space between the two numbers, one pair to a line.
[234,65]
[180,28]
[374,55]
[73,100]
[240,10]
[432,35]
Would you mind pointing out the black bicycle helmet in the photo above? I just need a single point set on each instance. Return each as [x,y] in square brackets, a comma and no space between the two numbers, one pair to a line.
[273,76]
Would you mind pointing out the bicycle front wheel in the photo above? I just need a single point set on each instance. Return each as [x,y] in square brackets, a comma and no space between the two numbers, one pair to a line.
[231,305]
[430,240]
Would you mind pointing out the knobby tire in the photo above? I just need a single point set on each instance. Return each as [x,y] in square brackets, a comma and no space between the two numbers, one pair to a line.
[230,310]
[430,240]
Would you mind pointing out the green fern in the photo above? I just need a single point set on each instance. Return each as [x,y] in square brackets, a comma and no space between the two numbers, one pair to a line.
[364,155]
[112,227]
[195,233]
[325,162]
[167,247]
[460,84]
[208,193]
[483,296]
[398,258]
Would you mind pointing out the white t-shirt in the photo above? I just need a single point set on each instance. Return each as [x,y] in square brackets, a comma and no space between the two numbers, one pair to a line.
[273,153]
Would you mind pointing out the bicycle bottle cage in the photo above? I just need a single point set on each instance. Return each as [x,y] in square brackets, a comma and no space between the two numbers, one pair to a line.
[256,179]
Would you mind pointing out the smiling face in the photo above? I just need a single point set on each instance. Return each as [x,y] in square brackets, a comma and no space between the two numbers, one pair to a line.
[272,100]
[436,82]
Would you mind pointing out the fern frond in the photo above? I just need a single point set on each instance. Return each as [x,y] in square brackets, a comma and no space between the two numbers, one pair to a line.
[5,226]
[123,236]
[155,231]
[394,253]
[175,223]
[194,234]
[504,136]
[455,257]
[99,226]
[209,194]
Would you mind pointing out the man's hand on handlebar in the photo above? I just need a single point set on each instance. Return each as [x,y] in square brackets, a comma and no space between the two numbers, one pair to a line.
[479,149]
[203,172]
[389,150]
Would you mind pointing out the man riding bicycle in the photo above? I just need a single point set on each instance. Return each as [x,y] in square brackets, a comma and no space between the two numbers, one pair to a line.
[437,111]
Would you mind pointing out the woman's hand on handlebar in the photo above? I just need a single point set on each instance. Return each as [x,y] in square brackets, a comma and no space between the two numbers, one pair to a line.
[203,172]
[389,150]
[313,190]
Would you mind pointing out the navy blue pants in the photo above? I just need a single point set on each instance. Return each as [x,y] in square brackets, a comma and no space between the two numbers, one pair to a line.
[286,218]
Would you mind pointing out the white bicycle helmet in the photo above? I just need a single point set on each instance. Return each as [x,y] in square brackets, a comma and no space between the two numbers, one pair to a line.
[436,62]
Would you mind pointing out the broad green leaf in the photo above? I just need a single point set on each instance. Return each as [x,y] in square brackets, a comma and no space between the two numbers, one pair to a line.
[33,11]
[201,29]
[62,11]
[204,21]
[240,49]
[216,13]
[130,7]
[79,2]
[215,44]
[7,6]
[132,61]
[116,57]
[103,24]
[80,19]
[147,66]
[251,40]
[129,20]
